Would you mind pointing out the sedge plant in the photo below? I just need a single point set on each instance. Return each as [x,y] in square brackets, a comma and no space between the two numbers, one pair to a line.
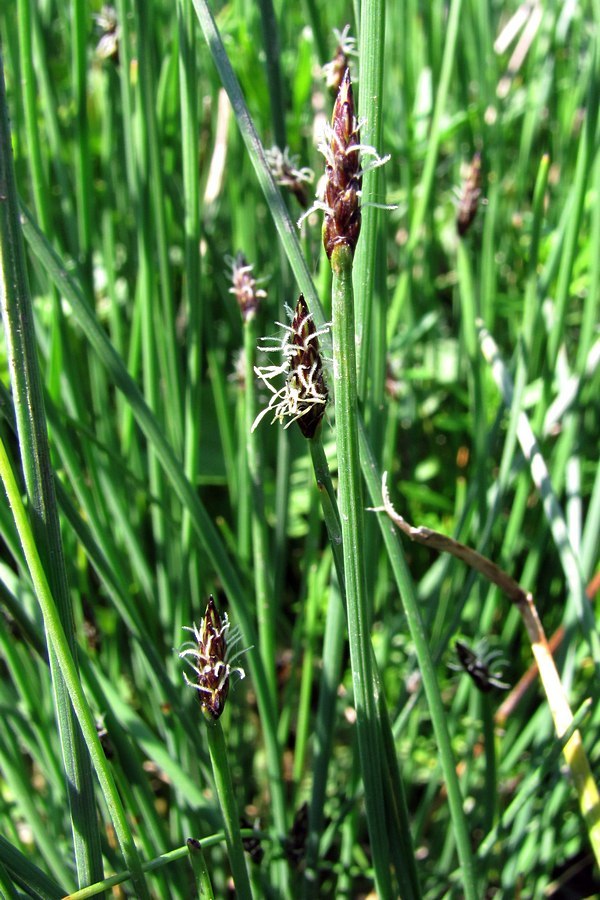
[148,140]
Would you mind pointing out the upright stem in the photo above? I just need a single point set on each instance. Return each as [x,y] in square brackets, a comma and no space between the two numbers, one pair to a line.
[351,512]
[191,287]
[222,775]
[262,583]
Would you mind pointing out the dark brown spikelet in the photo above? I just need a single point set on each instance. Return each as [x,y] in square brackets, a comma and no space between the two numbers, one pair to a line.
[335,68]
[244,287]
[285,171]
[252,845]
[214,677]
[469,196]
[343,173]
[306,370]
[207,656]
[478,669]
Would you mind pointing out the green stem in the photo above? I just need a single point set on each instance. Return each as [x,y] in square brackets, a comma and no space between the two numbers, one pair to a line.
[191,285]
[397,811]
[308,641]
[368,284]
[153,186]
[154,865]
[490,811]
[427,669]
[351,514]
[80,25]
[204,886]
[260,546]
[231,819]
[39,182]
[318,25]
[469,314]
[270,32]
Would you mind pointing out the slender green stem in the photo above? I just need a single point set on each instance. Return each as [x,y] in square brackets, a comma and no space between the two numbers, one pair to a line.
[333,652]
[270,31]
[231,819]
[315,14]
[531,312]
[158,250]
[307,631]
[266,612]
[372,44]
[192,296]
[39,181]
[351,514]
[204,886]
[160,366]
[396,808]
[165,859]
[80,27]
[490,811]
[427,669]
[28,85]
[469,314]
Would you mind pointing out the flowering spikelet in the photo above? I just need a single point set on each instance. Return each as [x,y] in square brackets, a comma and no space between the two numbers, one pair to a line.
[342,149]
[245,289]
[478,667]
[469,196]
[304,394]
[285,171]
[252,845]
[334,70]
[342,172]
[108,24]
[207,655]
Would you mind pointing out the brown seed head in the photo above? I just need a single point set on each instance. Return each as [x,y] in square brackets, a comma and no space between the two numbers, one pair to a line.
[208,655]
[285,171]
[342,172]
[334,70]
[244,288]
[306,370]
[304,395]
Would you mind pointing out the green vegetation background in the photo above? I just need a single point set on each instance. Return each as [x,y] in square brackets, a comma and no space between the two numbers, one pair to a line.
[133,169]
